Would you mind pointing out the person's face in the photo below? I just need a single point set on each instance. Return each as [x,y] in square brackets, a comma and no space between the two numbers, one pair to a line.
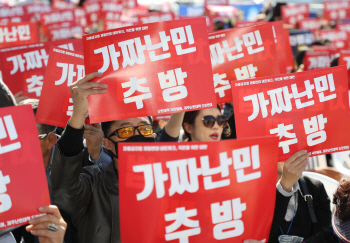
[201,133]
[124,123]
[47,143]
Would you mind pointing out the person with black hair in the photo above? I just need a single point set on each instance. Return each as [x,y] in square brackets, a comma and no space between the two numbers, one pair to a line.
[91,195]
[205,125]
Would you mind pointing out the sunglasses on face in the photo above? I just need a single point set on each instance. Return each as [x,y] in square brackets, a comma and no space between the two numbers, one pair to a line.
[209,121]
[127,132]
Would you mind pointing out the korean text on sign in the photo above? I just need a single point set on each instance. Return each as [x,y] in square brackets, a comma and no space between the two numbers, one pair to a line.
[344,59]
[150,69]
[294,14]
[18,34]
[239,54]
[301,109]
[23,185]
[56,104]
[200,192]
[23,69]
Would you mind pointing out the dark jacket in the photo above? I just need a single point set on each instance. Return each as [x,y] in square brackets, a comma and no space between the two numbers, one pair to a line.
[302,225]
[89,195]
[326,235]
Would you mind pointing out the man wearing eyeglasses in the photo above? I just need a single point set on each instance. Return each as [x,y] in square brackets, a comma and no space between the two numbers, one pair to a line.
[91,195]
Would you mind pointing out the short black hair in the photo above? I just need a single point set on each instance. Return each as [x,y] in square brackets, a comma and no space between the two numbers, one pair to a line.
[6,97]
[277,10]
[106,126]
[335,62]
[299,58]
[5,101]
[43,128]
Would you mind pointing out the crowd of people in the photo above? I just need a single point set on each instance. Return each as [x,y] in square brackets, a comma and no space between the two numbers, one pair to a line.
[85,205]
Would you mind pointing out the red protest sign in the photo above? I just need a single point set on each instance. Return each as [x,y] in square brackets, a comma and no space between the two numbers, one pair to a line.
[15,34]
[23,67]
[150,69]
[56,105]
[330,49]
[62,33]
[111,16]
[277,28]
[344,59]
[310,24]
[245,23]
[209,20]
[15,14]
[292,14]
[23,185]
[108,7]
[92,12]
[316,60]
[58,16]
[336,10]
[302,109]
[80,16]
[219,201]
[241,53]
[108,25]
[288,51]
[343,27]
[221,11]
[130,3]
[155,17]
[162,117]
[340,39]
[34,10]
[280,44]
[61,4]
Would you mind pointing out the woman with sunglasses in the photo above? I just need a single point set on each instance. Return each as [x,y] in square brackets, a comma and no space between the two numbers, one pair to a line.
[205,125]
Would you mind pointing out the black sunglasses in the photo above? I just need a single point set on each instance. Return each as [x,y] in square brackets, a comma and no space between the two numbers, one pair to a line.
[209,121]
[128,132]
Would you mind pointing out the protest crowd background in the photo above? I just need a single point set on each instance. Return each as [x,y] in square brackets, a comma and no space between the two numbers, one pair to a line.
[174,121]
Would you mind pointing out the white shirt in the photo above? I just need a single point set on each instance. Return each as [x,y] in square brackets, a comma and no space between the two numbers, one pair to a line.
[291,205]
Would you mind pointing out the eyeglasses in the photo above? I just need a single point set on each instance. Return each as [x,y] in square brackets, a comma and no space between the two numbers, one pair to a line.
[41,136]
[209,121]
[127,132]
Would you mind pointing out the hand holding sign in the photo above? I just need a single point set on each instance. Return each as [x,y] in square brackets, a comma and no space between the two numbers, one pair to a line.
[80,91]
[293,169]
[23,185]
[40,226]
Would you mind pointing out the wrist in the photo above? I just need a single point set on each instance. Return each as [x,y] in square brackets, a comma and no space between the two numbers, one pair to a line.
[287,186]
[77,121]
[95,155]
